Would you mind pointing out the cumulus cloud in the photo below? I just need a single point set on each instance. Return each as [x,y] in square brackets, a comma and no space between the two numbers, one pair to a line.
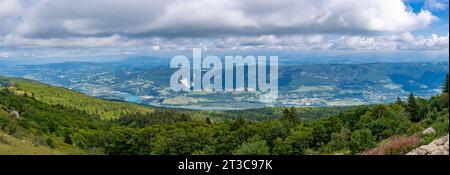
[174,18]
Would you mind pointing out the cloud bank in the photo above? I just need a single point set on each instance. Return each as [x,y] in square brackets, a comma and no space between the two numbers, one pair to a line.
[174,18]
[218,24]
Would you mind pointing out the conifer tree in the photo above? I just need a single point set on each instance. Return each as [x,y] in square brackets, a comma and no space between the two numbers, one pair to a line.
[290,115]
[208,121]
[412,107]
[445,85]
[399,101]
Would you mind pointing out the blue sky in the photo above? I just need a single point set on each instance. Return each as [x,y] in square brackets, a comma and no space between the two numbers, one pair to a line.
[110,28]
[439,27]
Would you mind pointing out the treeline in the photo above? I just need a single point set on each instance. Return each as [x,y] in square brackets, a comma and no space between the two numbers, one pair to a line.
[350,131]
[269,113]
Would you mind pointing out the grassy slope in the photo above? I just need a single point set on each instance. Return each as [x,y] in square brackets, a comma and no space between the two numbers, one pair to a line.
[10,145]
[23,142]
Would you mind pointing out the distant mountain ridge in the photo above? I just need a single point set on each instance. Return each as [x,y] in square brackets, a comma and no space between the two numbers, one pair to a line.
[146,81]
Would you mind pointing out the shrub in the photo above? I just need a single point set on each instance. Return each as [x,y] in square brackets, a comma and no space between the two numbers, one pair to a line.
[395,146]
[50,143]
[3,140]
[361,140]
[281,148]
[3,122]
[300,138]
[253,146]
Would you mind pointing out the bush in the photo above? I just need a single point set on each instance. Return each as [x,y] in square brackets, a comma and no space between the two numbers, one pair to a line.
[3,122]
[281,148]
[50,143]
[441,125]
[6,125]
[3,140]
[253,146]
[361,140]
[396,146]
[339,140]
[300,138]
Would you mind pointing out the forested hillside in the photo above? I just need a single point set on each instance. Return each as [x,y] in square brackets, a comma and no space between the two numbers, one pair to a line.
[71,99]
[60,120]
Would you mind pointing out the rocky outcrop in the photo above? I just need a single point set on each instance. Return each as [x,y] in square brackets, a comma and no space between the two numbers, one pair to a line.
[15,114]
[429,130]
[437,147]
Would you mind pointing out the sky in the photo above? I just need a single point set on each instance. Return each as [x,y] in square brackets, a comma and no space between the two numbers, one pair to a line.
[101,28]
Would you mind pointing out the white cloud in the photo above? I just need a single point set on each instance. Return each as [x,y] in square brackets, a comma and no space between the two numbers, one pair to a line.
[174,18]
[9,8]
[10,11]
[122,46]
[436,4]
[404,41]
[79,42]
[141,26]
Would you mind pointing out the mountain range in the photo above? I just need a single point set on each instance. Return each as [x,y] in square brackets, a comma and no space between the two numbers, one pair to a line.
[146,80]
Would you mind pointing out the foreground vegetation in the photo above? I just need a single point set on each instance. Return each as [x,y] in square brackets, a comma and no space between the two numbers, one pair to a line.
[62,120]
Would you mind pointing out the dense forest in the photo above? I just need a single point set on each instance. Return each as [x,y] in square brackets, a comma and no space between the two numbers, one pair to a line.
[59,118]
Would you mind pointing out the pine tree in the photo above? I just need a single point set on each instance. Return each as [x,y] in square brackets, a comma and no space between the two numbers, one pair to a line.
[184,117]
[445,85]
[290,115]
[399,101]
[412,107]
[239,122]
[208,121]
